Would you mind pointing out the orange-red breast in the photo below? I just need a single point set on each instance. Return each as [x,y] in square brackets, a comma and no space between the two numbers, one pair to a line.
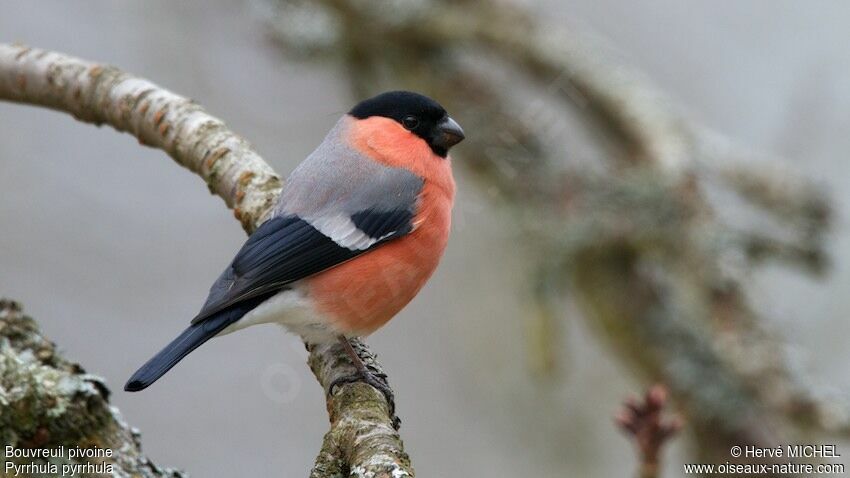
[359,228]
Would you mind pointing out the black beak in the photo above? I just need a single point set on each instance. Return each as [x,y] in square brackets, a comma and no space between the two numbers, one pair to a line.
[450,133]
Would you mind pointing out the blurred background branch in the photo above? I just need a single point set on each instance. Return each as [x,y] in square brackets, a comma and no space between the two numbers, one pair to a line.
[653,234]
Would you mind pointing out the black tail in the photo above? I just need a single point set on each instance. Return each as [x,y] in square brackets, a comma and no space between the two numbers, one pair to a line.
[186,342]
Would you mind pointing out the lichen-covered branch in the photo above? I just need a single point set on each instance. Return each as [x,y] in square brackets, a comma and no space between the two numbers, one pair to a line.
[350,449]
[47,402]
[628,227]
[102,94]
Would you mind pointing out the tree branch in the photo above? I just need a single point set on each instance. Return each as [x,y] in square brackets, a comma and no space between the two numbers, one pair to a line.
[361,442]
[362,438]
[102,94]
[48,402]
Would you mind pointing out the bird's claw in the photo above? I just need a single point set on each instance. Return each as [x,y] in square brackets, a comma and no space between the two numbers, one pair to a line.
[377,381]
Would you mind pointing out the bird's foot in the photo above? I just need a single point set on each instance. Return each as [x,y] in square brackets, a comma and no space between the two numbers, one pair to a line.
[367,375]
[378,381]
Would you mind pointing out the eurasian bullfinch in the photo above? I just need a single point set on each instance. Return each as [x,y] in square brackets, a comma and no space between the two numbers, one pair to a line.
[359,227]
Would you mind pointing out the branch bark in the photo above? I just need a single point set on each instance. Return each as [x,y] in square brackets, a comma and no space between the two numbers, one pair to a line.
[47,402]
[362,439]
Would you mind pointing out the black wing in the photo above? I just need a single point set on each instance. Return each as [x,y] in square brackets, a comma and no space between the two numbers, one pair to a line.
[288,248]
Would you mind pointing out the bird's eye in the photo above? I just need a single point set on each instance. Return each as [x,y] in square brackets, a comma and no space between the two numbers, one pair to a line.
[410,122]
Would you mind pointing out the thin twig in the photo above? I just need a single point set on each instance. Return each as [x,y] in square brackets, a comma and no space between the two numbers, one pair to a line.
[642,421]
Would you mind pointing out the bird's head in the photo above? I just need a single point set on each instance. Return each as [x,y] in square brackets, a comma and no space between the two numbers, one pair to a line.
[411,117]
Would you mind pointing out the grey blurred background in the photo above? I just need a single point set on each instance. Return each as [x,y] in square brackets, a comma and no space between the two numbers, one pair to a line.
[112,247]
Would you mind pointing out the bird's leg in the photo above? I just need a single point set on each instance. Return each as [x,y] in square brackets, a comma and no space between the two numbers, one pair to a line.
[365,374]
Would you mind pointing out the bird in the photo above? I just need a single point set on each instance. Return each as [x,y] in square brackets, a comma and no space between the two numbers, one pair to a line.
[358,229]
